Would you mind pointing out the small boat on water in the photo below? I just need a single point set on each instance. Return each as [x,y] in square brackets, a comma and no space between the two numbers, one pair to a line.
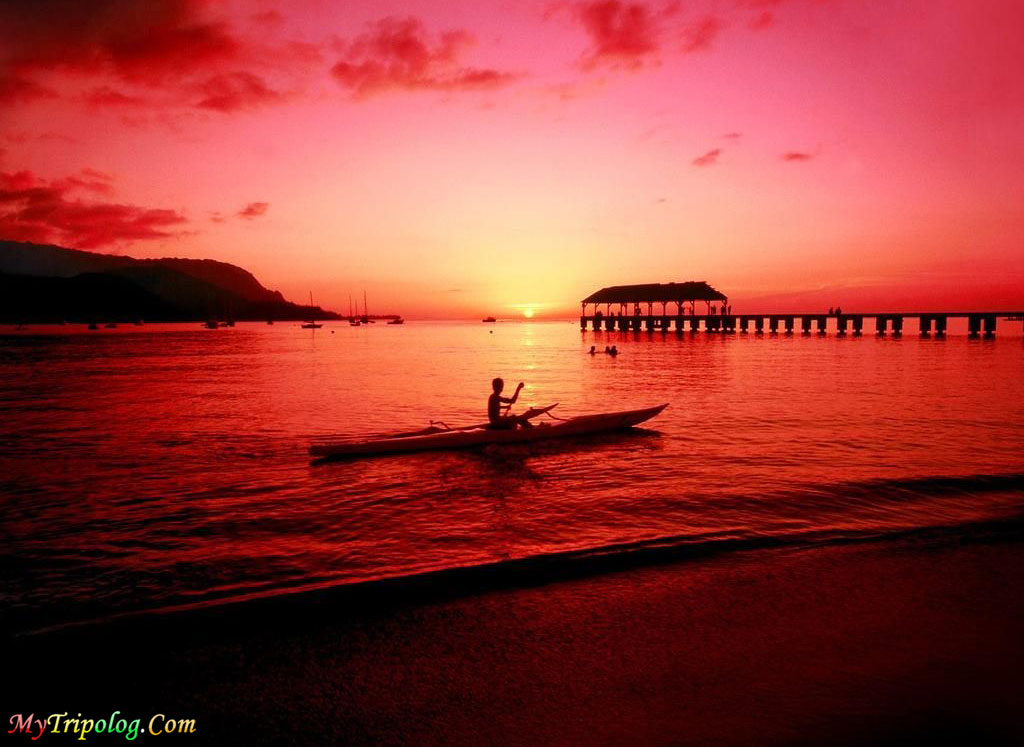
[436,437]
[399,320]
[312,323]
[489,319]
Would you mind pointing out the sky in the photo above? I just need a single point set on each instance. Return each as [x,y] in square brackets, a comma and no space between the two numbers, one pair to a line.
[457,158]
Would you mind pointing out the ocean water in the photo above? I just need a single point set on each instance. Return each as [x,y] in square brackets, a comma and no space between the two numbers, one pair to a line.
[143,469]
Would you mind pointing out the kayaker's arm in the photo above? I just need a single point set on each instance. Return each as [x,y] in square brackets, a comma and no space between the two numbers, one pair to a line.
[512,400]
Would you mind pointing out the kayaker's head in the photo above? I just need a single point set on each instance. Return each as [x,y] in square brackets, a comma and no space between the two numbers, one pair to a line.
[498,384]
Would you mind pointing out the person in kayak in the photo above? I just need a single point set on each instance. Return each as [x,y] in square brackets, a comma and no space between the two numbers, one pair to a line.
[495,419]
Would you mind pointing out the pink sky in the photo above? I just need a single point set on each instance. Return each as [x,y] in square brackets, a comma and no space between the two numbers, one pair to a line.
[460,158]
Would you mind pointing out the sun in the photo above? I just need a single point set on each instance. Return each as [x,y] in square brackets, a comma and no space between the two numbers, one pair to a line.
[528,312]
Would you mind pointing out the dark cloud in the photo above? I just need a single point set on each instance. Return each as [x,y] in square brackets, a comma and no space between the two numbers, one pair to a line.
[620,33]
[254,210]
[797,156]
[140,41]
[709,158]
[32,209]
[397,54]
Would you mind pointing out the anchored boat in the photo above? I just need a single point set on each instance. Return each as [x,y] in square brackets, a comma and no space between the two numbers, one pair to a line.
[312,323]
[441,437]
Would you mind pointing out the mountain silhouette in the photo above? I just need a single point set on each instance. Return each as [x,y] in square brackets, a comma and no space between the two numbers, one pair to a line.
[40,283]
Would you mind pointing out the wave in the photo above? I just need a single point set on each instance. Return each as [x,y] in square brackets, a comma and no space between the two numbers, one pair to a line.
[535,570]
[934,485]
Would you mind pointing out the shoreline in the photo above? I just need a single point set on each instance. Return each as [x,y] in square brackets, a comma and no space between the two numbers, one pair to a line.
[854,643]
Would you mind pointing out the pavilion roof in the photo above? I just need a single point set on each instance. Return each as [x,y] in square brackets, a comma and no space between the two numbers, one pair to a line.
[656,293]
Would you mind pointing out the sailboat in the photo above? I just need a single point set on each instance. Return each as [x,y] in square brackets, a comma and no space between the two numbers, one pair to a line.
[366,312]
[311,324]
[352,321]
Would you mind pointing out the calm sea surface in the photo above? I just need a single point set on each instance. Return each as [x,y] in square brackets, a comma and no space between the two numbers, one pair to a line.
[146,468]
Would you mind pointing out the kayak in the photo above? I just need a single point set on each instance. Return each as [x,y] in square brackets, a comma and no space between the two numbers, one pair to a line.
[436,437]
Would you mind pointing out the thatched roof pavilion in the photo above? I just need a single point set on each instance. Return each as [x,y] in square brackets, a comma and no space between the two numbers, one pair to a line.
[650,293]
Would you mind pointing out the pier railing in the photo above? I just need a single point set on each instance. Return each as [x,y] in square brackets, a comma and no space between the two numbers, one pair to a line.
[979,323]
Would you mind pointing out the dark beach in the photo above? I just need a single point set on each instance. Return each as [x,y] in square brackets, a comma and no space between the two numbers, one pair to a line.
[891,642]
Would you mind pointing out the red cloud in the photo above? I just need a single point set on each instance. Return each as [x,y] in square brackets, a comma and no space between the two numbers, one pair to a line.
[709,158]
[254,210]
[619,32]
[33,210]
[396,54]
[698,36]
[270,17]
[15,89]
[173,47]
[234,91]
[797,156]
[105,96]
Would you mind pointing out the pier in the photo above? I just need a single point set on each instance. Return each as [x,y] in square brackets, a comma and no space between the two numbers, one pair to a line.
[693,306]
